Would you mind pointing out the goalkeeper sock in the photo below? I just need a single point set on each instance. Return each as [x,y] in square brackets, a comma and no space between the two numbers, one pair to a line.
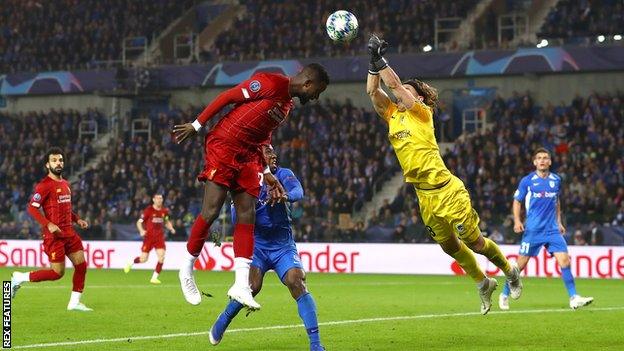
[495,255]
[466,259]
[307,312]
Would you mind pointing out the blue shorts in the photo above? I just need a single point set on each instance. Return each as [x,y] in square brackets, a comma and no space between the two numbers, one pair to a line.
[280,260]
[531,245]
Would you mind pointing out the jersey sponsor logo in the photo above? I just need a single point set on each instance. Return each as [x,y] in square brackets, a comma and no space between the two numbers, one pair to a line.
[552,184]
[544,194]
[401,134]
[64,199]
[255,86]
[158,220]
[535,184]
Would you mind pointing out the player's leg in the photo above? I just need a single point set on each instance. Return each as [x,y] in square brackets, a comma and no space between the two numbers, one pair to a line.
[245,206]
[160,254]
[55,250]
[77,258]
[142,258]
[259,266]
[559,248]
[503,298]
[214,196]
[467,260]
[289,268]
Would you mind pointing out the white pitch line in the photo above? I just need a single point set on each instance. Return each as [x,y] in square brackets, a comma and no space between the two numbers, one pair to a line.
[292,326]
[151,286]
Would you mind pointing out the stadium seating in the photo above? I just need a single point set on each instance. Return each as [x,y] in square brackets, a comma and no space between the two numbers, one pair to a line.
[572,20]
[24,139]
[283,29]
[586,140]
[75,34]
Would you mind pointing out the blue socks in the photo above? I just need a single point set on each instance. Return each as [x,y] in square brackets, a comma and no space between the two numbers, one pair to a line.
[225,318]
[307,312]
[505,289]
[568,280]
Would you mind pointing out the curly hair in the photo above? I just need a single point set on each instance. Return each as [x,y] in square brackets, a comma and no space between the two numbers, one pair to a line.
[429,93]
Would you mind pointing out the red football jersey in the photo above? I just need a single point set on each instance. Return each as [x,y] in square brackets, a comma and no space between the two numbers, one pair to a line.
[249,121]
[54,196]
[154,221]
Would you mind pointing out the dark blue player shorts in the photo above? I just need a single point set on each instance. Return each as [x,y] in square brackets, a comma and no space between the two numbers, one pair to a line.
[281,260]
[532,243]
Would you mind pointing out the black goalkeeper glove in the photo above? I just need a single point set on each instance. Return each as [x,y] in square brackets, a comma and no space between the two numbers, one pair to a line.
[376,49]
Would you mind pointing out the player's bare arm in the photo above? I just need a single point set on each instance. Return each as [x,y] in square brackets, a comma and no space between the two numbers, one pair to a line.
[517,210]
[81,222]
[562,228]
[184,131]
[276,190]
[139,225]
[378,97]
[379,65]
[169,225]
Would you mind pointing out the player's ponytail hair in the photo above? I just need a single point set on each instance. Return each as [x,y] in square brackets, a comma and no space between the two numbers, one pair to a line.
[429,93]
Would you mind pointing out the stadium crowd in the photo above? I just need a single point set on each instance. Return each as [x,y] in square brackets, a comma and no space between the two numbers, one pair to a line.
[574,19]
[587,141]
[340,154]
[269,28]
[37,35]
[23,141]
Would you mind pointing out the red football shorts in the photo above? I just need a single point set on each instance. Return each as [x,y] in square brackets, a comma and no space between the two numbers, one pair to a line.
[153,242]
[236,167]
[56,248]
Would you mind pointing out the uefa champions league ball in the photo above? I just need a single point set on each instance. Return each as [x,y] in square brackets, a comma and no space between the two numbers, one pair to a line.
[341,26]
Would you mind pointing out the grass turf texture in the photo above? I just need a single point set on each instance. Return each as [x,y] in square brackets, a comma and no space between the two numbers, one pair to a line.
[440,313]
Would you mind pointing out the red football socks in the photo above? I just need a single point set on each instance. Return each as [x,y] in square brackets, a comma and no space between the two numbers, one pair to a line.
[199,233]
[158,267]
[80,272]
[137,259]
[243,240]
[44,274]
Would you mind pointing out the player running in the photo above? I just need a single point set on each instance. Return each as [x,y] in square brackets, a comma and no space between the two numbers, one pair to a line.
[539,191]
[233,162]
[155,217]
[275,249]
[444,201]
[53,197]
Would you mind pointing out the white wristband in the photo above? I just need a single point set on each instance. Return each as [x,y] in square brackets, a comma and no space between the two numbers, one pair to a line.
[196,125]
[267,170]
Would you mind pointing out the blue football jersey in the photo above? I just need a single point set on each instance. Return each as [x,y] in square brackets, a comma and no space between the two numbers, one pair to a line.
[272,229]
[540,196]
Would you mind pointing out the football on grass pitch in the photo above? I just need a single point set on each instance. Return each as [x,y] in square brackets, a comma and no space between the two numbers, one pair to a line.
[341,26]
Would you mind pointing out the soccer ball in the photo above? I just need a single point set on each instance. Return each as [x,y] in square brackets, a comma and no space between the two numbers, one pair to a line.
[341,26]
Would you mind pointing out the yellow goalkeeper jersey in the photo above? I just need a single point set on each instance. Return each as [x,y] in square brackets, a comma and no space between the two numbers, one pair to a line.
[412,136]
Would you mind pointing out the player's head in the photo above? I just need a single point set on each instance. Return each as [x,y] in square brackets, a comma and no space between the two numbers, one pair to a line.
[157,199]
[54,161]
[310,82]
[541,159]
[270,158]
[422,91]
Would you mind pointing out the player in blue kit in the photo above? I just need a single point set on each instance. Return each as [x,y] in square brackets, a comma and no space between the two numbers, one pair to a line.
[275,249]
[540,193]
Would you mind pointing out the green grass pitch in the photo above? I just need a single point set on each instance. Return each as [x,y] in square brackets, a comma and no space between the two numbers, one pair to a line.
[356,312]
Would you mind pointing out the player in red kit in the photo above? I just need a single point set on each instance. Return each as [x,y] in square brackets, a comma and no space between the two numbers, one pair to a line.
[151,227]
[234,163]
[51,207]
